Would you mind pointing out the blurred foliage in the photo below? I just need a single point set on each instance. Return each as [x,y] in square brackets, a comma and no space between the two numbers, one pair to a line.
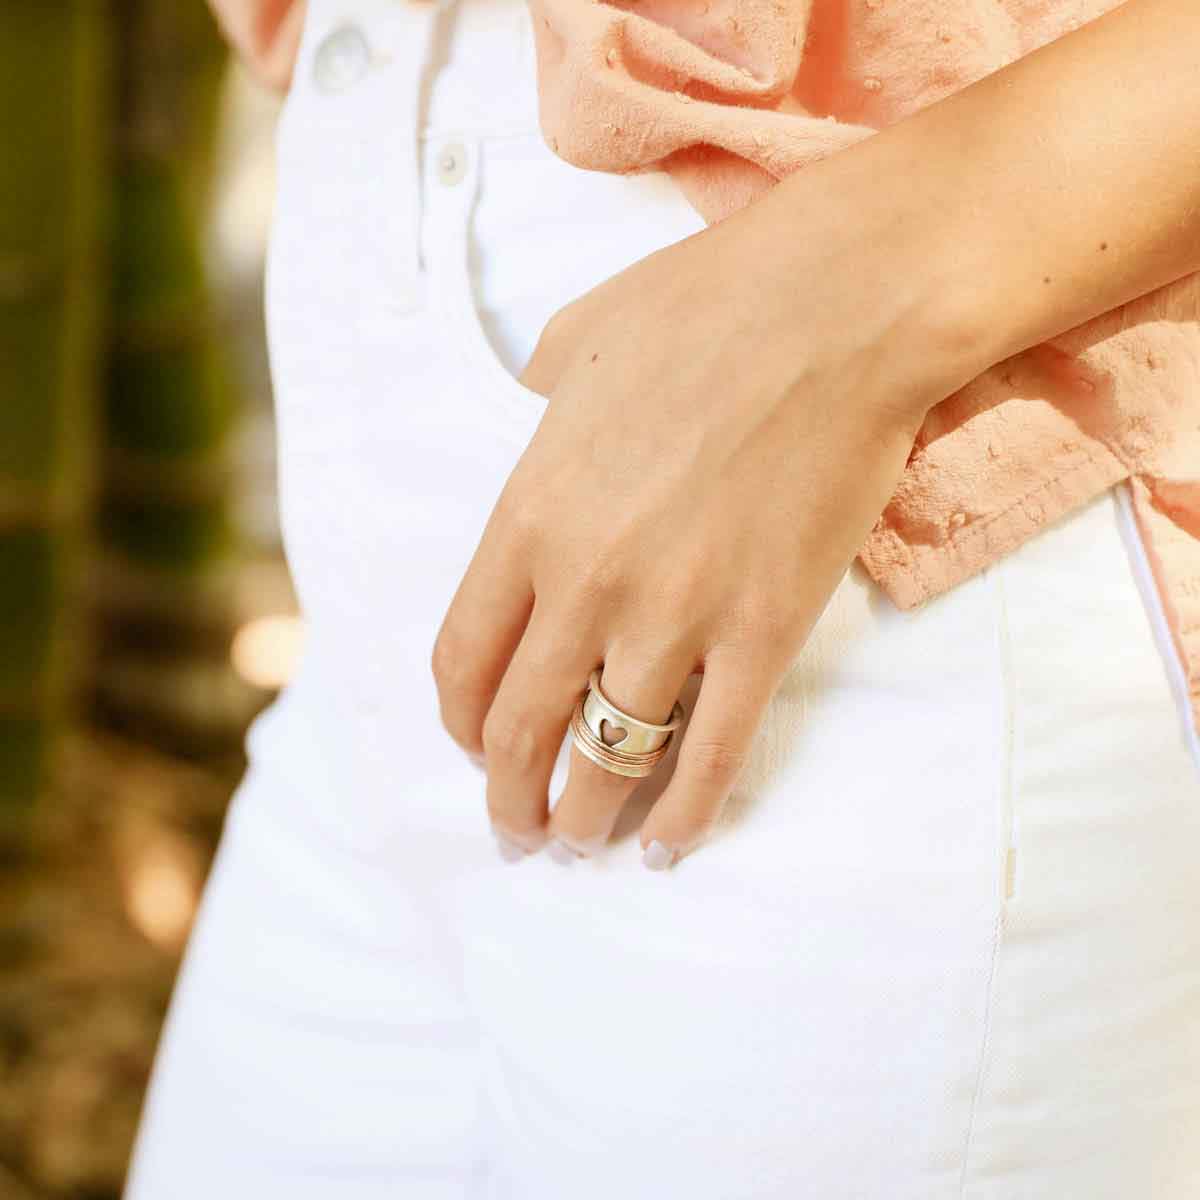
[54,88]
[117,559]
[164,527]
[116,407]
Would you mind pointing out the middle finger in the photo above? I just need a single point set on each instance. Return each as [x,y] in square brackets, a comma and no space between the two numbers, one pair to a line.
[644,683]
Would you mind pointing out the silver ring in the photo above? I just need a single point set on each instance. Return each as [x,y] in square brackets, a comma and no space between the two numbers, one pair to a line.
[630,734]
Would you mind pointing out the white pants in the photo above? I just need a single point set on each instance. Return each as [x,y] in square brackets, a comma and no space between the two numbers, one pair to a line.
[946,942]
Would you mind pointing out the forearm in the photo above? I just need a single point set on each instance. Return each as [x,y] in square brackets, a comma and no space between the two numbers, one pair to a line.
[1042,196]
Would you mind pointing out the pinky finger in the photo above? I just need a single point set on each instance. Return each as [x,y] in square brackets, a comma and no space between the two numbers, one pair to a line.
[733,698]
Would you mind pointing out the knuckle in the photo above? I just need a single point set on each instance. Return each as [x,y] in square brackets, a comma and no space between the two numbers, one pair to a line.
[762,621]
[600,579]
[454,663]
[512,740]
[644,654]
[520,514]
[686,585]
[715,763]
[559,326]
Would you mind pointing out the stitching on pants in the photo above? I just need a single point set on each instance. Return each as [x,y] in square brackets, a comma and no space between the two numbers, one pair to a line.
[1152,602]
[1005,840]
[450,219]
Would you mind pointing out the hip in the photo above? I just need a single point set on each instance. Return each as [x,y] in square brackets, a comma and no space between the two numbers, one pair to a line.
[959,863]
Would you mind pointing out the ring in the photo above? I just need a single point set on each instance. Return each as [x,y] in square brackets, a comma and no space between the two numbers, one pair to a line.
[616,740]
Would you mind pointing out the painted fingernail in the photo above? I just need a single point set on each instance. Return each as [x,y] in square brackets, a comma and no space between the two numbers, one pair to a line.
[583,848]
[509,850]
[561,852]
[657,857]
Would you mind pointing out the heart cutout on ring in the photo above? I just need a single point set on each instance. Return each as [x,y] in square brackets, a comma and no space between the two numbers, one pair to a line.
[610,734]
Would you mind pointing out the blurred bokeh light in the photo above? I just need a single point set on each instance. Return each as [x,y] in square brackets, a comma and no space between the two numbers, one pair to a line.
[266,650]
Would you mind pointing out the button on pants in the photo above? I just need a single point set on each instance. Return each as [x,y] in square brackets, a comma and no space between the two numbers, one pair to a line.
[945,941]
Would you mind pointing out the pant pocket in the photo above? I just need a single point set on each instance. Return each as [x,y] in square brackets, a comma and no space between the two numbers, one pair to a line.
[517,233]
[451,184]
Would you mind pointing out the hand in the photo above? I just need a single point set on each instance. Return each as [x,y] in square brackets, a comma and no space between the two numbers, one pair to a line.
[719,440]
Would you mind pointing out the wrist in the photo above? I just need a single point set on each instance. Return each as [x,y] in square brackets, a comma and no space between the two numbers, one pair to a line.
[909,277]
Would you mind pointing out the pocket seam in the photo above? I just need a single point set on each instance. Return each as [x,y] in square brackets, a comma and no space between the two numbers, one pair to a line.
[522,403]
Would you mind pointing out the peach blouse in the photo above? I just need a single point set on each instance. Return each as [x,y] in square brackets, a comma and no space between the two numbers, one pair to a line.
[730,95]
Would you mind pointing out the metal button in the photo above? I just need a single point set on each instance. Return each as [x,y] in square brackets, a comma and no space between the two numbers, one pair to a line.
[452,163]
[342,59]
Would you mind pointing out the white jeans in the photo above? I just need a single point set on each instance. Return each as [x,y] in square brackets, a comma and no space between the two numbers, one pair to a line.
[946,941]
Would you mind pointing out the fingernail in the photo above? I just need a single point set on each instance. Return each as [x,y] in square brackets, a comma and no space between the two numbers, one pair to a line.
[561,852]
[581,848]
[509,850]
[657,857]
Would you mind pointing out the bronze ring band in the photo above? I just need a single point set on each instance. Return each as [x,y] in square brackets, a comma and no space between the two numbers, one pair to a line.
[633,766]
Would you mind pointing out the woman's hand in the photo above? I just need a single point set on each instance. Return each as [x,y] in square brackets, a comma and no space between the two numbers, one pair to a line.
[729,416]
[724,427]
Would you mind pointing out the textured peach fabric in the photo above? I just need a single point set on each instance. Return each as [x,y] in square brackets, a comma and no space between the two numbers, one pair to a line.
[729,96]
[265,32]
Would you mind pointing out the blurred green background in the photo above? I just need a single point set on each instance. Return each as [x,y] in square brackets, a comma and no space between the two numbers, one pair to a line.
[145,610]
